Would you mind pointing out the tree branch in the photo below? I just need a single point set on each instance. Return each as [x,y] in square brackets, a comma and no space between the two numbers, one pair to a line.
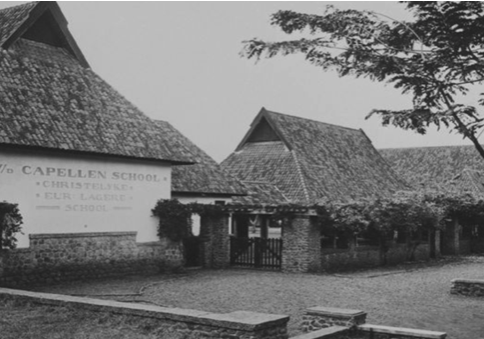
[470,135]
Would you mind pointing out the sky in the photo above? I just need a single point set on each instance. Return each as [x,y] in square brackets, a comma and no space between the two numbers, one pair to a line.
[180,62]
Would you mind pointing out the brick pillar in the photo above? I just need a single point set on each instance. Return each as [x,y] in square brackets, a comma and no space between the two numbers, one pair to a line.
[215,246]
[301,249]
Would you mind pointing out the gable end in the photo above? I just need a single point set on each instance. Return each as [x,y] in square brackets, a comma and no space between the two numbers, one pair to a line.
[45,23]
[263,132]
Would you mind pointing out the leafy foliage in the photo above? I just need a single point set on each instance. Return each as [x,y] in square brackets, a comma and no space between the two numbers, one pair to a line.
[406,212]
[10,224]
[435,57]
[465,208]
[347,220]
[174,220]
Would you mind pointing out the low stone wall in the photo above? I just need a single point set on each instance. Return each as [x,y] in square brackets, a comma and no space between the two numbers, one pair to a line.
[318,323]
[188,323]
[468,287]
[76,256]
[317,318]
[336,323]
[369,256]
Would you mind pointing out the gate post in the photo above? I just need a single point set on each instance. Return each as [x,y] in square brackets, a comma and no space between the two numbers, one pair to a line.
[301,250]
[215,241]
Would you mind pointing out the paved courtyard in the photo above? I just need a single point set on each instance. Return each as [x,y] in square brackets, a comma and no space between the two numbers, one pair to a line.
[410,296]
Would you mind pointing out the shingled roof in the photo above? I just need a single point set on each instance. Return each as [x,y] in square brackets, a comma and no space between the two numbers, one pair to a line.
[261,193]
[50,99]
[311,161]
[206,177]
[468,181]
[437,167]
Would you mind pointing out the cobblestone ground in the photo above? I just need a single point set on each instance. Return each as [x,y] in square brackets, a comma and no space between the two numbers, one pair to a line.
[415,297]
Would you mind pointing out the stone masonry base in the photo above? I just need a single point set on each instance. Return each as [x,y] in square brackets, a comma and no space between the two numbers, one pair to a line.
[468,287]
[76,256]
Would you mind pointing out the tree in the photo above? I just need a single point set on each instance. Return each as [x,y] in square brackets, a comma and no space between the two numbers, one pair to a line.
[10,224]
[436,57]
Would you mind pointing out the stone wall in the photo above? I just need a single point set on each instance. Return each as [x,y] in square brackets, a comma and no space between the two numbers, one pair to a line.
[63,257]
[302,252]
[337,323]
[318,317]
[468,287]
[163,322]
[215,241]
[178,322]
[368,256]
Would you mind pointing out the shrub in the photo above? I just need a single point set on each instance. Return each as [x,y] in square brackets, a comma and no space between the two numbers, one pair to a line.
[175,221]
[10,224]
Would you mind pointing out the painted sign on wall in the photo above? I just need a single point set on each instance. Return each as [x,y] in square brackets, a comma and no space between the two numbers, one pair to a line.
[68,195]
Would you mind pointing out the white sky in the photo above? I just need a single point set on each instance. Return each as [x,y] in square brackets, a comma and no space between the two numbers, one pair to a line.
[179,62]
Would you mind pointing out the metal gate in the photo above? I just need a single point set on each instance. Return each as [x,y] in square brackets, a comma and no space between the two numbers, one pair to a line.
[256,252]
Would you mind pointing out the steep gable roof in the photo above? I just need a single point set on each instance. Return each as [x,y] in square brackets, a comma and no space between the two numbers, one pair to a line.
[51,100]
[206,176]
[310,161]
[433,167]
[40,21]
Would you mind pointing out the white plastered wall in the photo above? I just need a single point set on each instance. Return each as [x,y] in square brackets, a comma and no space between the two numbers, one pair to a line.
[60,194]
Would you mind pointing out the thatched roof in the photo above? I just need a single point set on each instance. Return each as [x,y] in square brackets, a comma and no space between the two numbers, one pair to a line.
[261,193]
[206,177]
[446,167]
[51,99]
[311,161]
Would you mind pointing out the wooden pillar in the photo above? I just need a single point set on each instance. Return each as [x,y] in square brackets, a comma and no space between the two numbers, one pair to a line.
[301,249]
[264,226]
[437,248]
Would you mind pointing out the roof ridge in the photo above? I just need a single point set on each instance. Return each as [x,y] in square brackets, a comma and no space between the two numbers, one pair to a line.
[25,4]
[9,28]
[301,177]
[317,121]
